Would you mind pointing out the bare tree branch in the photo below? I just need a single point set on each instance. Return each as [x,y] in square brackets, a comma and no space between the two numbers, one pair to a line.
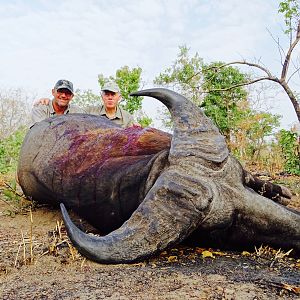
[283,81]
[244,62]
[280,49]
[243,84]
[288,55]
[296,71]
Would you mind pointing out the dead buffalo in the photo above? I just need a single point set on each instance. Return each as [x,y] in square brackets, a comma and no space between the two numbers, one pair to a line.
[148,190]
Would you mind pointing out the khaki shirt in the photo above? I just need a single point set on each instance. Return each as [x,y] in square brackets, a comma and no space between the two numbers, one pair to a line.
[41,112]
[122,117]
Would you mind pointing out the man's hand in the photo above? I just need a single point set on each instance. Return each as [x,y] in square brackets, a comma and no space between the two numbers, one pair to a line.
[43,101]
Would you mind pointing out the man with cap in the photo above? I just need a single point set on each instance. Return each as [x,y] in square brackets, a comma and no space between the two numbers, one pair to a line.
[62,95]
[110,109]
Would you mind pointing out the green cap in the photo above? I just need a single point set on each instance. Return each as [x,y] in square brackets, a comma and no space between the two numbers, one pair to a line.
[111,86]
[64,84]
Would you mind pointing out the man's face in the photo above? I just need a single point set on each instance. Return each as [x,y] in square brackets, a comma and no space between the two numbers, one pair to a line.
[62,97]
[110,99]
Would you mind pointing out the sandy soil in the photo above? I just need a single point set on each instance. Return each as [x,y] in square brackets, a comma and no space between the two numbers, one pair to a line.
[37,261]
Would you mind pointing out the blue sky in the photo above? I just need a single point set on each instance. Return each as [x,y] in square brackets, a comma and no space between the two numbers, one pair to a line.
[43,41]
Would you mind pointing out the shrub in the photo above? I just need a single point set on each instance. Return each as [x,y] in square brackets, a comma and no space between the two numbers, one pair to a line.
[290,151]
[9,150]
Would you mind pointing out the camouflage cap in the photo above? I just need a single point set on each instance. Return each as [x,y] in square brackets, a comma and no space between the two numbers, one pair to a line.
[64,84]
[111,86]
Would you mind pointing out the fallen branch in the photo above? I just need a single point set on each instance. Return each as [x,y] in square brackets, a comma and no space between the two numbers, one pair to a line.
[285,286]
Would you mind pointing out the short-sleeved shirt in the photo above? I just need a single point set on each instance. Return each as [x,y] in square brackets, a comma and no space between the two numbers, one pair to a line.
[41,112]
[122,117]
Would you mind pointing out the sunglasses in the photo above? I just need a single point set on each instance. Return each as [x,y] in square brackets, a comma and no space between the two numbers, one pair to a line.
[64,91]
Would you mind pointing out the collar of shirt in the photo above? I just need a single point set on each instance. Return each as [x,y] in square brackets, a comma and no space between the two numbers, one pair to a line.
[52,111]
[118,114]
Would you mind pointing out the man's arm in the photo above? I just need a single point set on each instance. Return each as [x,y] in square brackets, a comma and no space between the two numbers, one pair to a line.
[38,113]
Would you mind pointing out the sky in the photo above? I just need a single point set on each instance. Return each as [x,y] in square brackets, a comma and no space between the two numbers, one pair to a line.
[43,41]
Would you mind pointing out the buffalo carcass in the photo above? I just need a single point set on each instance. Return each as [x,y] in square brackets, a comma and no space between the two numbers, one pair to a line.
[149,190]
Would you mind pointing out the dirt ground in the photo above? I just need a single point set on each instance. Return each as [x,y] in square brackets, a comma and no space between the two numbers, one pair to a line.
[37,261]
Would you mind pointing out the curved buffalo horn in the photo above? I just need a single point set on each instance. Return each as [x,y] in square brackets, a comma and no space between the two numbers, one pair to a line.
[171,210]
[194,133]
[178,201]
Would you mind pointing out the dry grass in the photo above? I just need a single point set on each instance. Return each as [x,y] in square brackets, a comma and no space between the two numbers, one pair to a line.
[58,245]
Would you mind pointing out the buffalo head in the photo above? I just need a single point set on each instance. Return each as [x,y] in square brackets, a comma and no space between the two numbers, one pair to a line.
[199,190]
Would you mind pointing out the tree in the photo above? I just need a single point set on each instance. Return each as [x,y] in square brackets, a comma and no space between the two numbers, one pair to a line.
[290,10]
[230,109]
[14,110]
[220,104]
[86,98]
[129,80]
[191,77]
[250,133]
[184,76]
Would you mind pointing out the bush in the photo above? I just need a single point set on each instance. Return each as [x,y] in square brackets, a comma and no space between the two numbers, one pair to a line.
[9,150]
[290,150]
